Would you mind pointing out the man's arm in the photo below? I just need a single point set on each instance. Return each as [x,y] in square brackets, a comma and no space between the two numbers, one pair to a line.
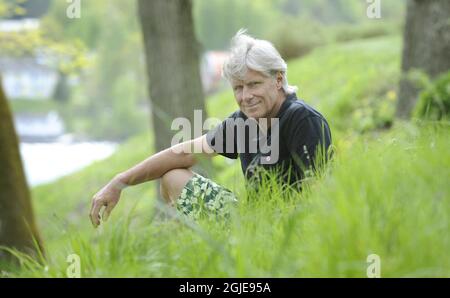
[176,157]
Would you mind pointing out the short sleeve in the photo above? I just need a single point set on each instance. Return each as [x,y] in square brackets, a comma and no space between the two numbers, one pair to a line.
[308,137]
[221,140]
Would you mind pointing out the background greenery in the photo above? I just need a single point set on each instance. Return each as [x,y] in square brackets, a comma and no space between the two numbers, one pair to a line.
[384,193]
[109,88]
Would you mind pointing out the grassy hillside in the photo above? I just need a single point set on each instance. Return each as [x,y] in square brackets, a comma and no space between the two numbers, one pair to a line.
[353,84]
[385,193]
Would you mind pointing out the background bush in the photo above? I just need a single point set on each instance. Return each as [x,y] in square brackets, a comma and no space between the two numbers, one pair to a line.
[297,37]
[434,101]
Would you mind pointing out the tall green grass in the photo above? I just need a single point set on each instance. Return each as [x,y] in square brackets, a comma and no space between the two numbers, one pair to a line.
[386,195]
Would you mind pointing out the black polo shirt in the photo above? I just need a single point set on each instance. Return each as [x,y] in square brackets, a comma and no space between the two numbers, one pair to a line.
[301,132]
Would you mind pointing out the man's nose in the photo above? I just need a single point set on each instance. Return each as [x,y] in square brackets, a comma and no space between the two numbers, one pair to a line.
[246,94]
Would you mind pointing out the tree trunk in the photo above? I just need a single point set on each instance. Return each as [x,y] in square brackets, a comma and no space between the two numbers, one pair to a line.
[172,53]
[17,226]
[426,47]
[62,91]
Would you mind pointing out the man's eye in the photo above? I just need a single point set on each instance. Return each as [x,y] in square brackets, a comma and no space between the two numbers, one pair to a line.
[237,88]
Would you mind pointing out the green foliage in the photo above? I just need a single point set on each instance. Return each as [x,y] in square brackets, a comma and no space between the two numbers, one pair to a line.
[87,29]
[434,101]
[110,100]
[310,34]
[345,32]
[37,106]
[332,12]
[65,55]
[352,84]
[11,8]
[114,118]
[291,24]
[307,35]
[68,57]
[217,21]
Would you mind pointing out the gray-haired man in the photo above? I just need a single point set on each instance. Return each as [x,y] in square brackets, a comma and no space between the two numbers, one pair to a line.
[258,77]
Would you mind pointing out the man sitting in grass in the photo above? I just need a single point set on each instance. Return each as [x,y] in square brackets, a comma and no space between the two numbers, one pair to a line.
[272,130]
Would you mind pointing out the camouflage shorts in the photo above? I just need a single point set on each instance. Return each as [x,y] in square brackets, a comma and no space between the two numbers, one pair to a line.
[203,197]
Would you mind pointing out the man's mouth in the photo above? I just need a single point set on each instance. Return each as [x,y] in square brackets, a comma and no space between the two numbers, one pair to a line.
[252,105]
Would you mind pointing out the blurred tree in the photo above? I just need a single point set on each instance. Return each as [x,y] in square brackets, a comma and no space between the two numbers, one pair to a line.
[172,53]
[426,47]
[17,226]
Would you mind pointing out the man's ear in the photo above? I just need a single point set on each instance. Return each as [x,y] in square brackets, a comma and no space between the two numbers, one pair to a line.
[279,79]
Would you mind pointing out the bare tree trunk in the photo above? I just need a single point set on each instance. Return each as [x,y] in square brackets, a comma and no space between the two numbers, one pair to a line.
[17,226]
[172,53]
[426,46]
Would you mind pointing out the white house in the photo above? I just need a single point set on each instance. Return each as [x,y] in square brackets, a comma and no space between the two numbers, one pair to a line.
[26,77]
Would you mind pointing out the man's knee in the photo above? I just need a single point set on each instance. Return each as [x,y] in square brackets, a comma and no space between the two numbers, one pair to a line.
[163,192]
[173,182]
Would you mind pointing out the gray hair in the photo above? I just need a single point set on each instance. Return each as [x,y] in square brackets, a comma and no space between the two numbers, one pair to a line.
[260,55]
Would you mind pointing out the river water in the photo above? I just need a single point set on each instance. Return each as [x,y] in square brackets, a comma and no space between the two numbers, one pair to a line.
[46,162]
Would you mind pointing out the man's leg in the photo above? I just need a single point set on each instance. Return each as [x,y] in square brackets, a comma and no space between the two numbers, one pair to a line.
[173,182]
[198,195]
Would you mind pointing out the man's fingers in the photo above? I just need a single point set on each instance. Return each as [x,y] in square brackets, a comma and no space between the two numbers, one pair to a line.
[107,211]
[95,213]
[91,212]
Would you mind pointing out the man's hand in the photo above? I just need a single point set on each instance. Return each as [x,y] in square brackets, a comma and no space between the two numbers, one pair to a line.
[107,197]
[150,169]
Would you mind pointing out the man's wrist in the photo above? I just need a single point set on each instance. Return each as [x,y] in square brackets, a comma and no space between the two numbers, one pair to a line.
[118,183]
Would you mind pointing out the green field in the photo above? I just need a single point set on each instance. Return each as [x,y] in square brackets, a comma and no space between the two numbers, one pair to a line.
[386,193]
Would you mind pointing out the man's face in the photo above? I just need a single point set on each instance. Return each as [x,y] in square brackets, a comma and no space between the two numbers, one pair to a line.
[256,94]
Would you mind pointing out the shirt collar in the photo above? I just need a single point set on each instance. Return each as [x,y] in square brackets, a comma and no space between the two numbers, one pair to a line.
[286,103]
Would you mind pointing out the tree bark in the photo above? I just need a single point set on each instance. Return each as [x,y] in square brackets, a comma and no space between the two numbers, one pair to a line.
[172,54]
[17,226]
[426,46]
